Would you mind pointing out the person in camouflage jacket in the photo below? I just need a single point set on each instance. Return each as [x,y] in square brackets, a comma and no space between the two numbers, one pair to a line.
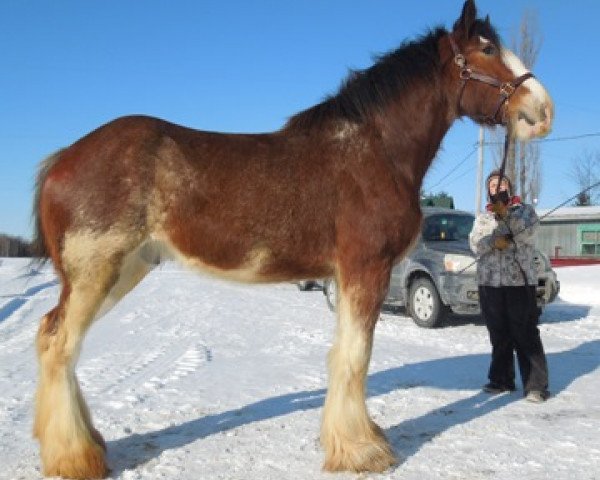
[503,238]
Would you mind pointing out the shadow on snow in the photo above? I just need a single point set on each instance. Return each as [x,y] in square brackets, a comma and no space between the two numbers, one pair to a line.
[408,437]
[20,299]
[559,311]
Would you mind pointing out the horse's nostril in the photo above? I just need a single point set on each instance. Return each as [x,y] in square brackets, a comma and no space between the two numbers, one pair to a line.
[544,112]
[523,116]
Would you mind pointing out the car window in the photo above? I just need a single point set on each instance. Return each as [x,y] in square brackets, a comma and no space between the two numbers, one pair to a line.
[442,227]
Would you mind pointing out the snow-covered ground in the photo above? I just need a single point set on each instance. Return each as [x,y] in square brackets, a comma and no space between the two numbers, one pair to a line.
[194,378]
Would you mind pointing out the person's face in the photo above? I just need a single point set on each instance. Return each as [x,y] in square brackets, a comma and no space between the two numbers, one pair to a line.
[493,185]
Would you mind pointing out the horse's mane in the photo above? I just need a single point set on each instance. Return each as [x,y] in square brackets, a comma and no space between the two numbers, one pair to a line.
[365,92]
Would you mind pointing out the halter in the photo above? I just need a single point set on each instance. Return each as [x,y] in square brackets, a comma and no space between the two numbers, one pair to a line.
[506,89]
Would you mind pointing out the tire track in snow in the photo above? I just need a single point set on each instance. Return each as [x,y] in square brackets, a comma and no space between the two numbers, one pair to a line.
[125,377]
[18,329]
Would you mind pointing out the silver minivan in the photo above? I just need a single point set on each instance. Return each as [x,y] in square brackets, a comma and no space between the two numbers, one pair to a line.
[439,275]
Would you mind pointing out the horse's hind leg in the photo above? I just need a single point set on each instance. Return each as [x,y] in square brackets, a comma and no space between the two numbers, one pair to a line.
[134,267]
[352,441]
[70,445]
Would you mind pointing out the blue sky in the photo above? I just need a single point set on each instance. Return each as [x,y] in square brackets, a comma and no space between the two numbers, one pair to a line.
[246,66]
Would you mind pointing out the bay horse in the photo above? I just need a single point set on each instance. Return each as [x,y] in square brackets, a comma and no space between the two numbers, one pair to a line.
[333,193]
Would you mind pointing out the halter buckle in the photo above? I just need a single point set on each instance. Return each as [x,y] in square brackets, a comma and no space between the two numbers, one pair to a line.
[460,60]
[465,73]
[507,89]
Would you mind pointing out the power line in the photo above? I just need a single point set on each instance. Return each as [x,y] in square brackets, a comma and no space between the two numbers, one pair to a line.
[468,170]
[455,167]
[543,140]
[564,139]
[554,139]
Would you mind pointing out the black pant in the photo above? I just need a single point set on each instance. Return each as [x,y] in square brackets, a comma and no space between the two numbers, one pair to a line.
[511,316]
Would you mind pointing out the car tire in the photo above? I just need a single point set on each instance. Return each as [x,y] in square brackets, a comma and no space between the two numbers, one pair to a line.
[306,285]
[425,306]
[330,291]
[554,288]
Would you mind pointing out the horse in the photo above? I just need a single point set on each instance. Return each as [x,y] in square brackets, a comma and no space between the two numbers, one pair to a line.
[333,193]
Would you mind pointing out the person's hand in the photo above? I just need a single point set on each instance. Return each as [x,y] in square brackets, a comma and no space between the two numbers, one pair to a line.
[502,242]
[500,209]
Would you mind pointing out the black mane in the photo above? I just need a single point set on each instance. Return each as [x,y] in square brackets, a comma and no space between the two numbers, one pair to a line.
[486,30]
[367,91]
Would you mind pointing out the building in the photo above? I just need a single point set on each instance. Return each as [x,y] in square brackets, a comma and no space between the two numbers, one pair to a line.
[570,232]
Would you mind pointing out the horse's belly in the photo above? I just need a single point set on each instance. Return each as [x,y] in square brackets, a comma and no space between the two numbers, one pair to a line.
[257,265]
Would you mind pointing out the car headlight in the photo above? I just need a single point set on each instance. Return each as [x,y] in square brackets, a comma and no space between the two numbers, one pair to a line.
[459,263]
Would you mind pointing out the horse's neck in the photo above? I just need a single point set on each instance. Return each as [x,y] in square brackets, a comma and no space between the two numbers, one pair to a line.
[413,128]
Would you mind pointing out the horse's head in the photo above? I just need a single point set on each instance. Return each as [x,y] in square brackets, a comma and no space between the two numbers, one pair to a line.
[493,85]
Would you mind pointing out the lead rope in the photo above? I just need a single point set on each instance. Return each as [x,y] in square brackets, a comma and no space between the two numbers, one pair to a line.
[507,138]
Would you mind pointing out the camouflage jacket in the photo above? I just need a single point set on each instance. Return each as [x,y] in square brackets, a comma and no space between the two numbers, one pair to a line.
[496,268]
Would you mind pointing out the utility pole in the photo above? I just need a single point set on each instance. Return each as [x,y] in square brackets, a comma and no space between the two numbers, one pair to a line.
[479,179]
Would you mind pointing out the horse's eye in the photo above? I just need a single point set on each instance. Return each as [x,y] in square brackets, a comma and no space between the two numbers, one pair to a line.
[489,50]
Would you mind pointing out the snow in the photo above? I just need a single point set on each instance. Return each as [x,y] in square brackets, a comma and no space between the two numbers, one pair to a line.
[193,378]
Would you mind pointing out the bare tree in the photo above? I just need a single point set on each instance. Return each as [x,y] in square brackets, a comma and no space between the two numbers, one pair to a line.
[523,162]
[585,172]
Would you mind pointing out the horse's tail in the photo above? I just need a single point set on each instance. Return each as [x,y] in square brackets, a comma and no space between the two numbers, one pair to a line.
[39,249]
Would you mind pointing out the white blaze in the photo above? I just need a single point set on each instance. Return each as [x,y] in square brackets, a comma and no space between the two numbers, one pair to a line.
[516,66]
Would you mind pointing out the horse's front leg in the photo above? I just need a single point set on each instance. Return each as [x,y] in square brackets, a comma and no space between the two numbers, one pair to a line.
[352,441]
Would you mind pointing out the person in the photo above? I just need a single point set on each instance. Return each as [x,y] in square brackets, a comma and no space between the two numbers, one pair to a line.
[503,238]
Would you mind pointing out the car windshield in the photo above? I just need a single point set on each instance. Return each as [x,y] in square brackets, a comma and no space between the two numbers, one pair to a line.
[443,227]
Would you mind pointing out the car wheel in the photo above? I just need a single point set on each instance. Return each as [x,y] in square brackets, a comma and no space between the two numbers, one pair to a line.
[425,305]
[330,291]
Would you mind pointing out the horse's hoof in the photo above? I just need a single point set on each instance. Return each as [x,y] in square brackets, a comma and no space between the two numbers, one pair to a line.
[86,462]
[372,456]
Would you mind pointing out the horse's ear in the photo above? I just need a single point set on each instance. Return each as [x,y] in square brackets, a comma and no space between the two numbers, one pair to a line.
[467,18]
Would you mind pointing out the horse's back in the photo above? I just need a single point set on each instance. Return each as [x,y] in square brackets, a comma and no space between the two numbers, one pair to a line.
[258,206]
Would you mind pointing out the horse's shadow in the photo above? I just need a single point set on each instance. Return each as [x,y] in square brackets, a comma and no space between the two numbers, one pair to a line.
[561,311]
[18,300]
[408,437]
